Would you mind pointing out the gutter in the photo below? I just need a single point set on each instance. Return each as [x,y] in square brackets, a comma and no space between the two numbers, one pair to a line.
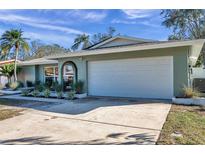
[189,68]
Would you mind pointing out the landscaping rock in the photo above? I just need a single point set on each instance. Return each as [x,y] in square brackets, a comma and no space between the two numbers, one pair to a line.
[176,134]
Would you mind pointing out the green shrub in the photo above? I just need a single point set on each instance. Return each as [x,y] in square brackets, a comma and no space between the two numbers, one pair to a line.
[78,87]
[40,87]
[25,92]
[47,92]
[35,93]
[71,95]
[59,94]
[14,85]
[1,86]
[58,87]
[189,92]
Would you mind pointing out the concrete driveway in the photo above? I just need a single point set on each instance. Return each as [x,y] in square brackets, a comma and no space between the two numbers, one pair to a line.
[88,121]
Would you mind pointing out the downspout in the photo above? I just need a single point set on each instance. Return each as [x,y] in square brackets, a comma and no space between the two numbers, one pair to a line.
[190,71]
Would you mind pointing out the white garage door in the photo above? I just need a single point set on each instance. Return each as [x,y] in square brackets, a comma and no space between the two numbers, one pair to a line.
[139,77]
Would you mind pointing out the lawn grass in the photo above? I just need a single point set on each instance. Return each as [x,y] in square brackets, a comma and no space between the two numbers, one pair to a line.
[189,121]
[9,113]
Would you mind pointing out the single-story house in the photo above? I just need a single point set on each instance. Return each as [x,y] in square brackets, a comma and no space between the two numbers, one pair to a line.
[121,66]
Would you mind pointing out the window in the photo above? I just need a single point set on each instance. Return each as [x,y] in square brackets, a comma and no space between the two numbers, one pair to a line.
[51,74]
[68,70]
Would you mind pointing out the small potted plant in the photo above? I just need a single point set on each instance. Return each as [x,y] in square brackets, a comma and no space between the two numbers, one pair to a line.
[71,95]
[58,89]
[35,93]
[47,92]
[78,87]
[59,94]
[25,92]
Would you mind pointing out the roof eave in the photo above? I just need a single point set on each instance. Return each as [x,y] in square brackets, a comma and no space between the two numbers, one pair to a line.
[39,63]
[194,43]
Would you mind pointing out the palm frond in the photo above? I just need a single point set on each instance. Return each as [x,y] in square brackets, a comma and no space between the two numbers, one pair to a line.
[13,39]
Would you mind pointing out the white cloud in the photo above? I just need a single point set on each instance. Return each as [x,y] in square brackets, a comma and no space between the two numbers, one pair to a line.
[117,21]
[88,15]
[129,22]
[95,16]
[149,23]
[57,28]
[37,23]
[51,38]
[134,14]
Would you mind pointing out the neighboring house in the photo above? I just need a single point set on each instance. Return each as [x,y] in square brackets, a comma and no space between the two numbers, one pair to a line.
[4,79]
[198,72]
[198,77]
[122,67]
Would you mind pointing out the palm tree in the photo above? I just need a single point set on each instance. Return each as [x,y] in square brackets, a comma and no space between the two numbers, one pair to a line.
[13,39]
[83,40]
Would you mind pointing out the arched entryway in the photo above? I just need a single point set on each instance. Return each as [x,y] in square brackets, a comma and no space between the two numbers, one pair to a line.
[69,75]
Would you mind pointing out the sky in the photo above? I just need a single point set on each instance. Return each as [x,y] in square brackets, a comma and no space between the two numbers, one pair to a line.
[62,26]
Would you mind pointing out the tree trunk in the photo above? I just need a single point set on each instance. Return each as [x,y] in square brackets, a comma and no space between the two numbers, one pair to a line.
[15,65]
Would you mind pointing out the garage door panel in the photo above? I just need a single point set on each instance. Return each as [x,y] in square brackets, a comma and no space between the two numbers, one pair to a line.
[139,77]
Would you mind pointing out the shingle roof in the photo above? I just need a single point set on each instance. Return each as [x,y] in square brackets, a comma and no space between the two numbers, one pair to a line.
[97,45]
[38,61]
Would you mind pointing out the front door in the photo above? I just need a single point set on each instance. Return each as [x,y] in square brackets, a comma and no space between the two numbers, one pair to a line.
[69,76]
